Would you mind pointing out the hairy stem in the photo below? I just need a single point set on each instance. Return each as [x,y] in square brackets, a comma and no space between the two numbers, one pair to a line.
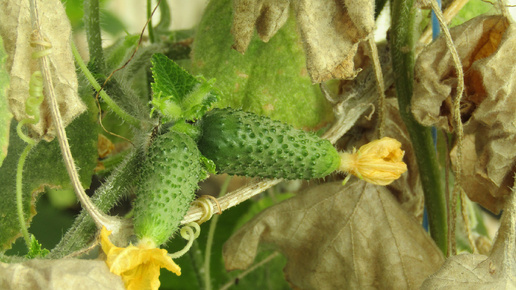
[93,34]
[403,50]
[119,183]
[44,63]
[112,105]
[149,16]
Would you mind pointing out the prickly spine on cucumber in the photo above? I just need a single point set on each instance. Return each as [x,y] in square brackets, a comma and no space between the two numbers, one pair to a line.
[168,181]
[243,143]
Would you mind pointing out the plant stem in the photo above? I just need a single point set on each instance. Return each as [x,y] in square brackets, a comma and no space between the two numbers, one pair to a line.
[403,50]
[92,24]
[118,184]
[150,28]
[197,262]
[211,234]
[112,105]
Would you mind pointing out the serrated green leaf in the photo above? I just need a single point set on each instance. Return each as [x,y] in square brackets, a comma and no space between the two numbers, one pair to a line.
[36,250]
[177,94]
[269,79]
[5,115]
[44,167]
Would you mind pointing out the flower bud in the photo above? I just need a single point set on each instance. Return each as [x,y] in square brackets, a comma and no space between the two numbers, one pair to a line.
[379,162]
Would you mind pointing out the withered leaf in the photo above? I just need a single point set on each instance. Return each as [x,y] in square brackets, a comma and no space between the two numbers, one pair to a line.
[16,30]
[59,274]
[485,45]
[340,237]
[330,30]
[496,271]
[267,15]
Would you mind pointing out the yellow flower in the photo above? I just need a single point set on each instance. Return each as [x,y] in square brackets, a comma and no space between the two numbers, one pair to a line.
[378,162]
[139,266]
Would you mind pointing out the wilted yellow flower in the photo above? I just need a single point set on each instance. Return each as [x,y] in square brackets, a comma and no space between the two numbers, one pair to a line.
[139,266]
[378,162]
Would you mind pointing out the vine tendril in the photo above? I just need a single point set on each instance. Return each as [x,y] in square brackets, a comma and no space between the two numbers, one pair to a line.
[32,105]
[188,233]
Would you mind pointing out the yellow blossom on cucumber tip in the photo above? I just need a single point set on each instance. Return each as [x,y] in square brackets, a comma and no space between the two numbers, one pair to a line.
[139,266]
[379,162]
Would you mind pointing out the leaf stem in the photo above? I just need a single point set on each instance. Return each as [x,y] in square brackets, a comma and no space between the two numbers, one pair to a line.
[93,34]
[114,107]
[403,50]
[100,218]
[19,193]
[150,28]
[211,235]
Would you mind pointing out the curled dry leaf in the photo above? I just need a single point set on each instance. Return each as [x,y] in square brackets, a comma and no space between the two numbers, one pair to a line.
[59,274]
[496,271]
[330,30]
[340,237]
[486,48]
[16,30]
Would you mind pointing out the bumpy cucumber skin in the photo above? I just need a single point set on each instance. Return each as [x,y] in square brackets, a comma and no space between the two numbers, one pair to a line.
[169,179]
[243,143]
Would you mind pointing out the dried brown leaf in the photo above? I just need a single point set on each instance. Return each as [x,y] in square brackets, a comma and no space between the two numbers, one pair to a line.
[59,274]
[330,30]
[16,29]
[485,45]
[267,15]
[496,271]
[340,237]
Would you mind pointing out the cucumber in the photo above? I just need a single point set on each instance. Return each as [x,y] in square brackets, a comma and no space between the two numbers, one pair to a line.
[168,181]
[243,143]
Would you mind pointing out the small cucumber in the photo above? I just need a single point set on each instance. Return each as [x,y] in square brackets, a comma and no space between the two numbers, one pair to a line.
[243,143]
[168,181]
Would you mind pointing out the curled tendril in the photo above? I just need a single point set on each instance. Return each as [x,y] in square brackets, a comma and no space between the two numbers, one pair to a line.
[207,207]
[32,105]
[188,233]
[35,89]
[32,110]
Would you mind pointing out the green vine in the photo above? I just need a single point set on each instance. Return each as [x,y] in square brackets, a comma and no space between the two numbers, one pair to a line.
[402,43]
[114,107]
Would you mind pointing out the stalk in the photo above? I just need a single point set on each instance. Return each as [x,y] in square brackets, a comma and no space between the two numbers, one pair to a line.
[402,44]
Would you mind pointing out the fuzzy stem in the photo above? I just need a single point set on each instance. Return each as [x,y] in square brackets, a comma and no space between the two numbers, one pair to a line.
[150,28]
[114,107]
[402,50]
[44,63]
[93,34]
[117,185]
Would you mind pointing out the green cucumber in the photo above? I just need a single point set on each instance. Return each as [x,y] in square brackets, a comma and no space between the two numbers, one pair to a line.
[168,181]
[243,143]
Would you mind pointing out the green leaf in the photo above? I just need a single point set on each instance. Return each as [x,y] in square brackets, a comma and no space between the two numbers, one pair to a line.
[44,167]
[270,79]
[5,115]
[177,94]
[36,250]
[472,9]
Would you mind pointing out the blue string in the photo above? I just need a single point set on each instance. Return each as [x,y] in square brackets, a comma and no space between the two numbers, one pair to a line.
[435,33]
